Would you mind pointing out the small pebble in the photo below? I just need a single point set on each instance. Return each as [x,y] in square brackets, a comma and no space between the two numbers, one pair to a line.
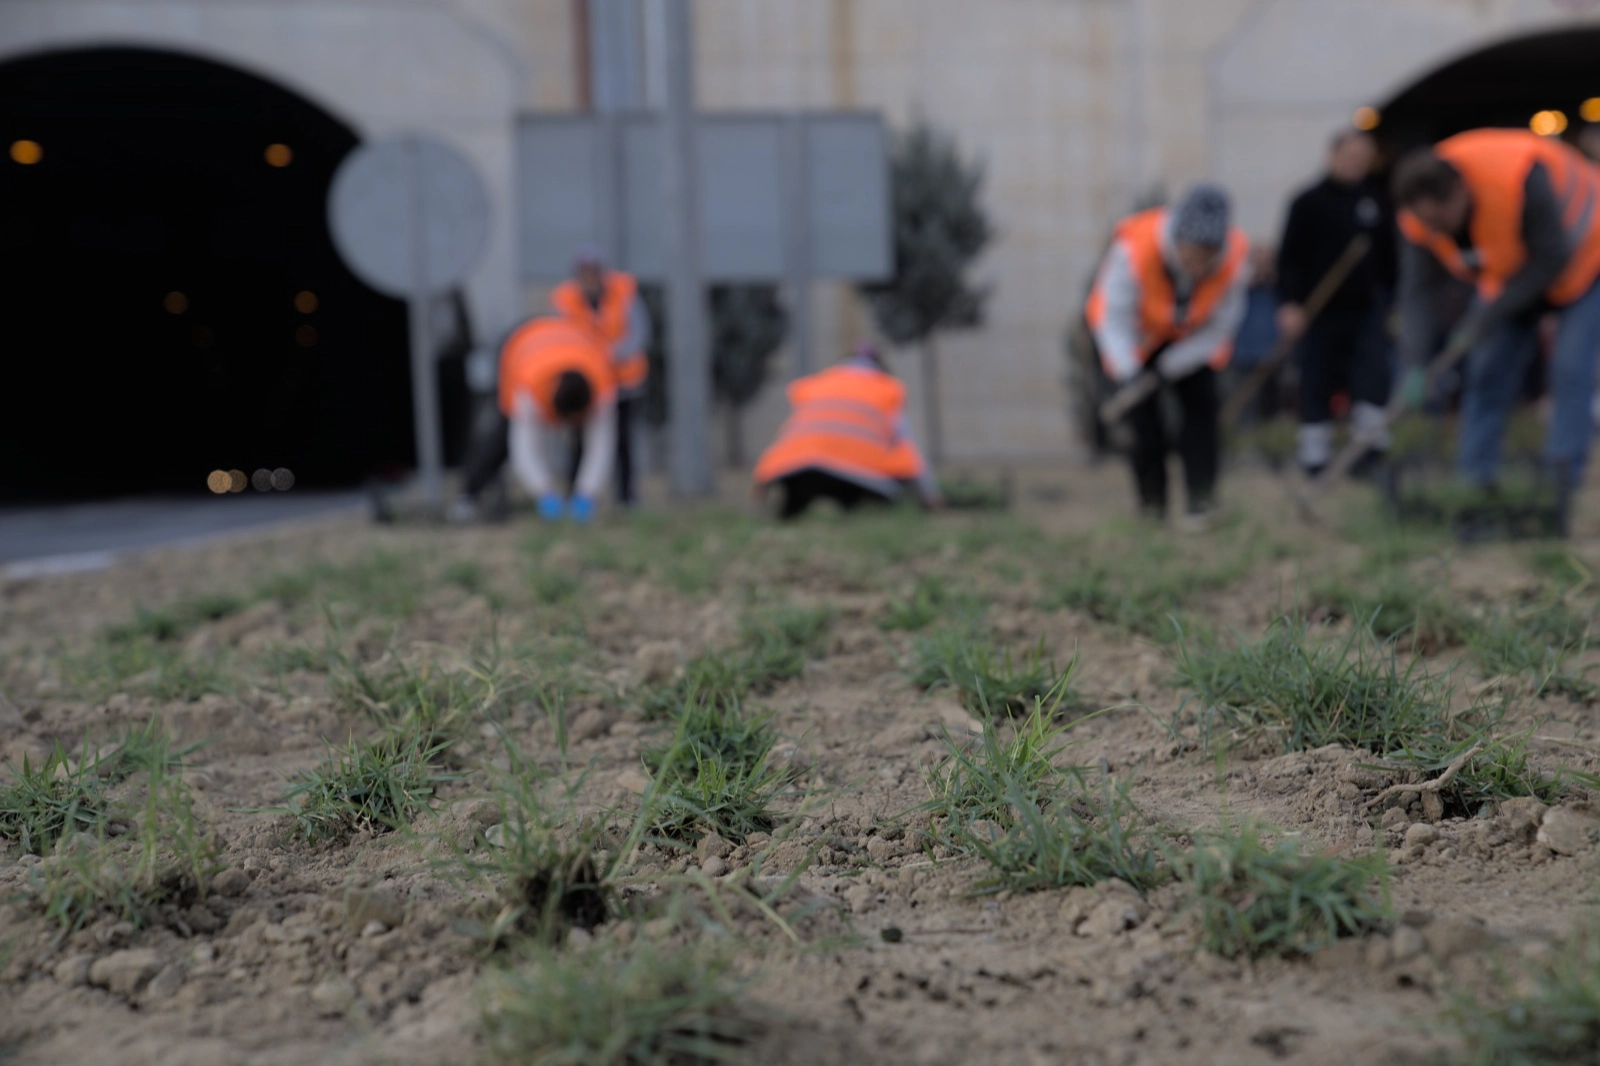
[1421,835]
[374,928]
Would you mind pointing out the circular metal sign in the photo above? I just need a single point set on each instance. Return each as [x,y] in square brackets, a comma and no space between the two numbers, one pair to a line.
[409,215]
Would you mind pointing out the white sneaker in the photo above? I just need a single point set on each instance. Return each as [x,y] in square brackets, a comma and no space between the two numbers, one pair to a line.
[463,510]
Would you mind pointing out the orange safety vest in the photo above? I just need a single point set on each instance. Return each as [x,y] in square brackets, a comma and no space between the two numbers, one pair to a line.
[1495,165]
[610,322]
[844,421]
[1159,325]
[539,352]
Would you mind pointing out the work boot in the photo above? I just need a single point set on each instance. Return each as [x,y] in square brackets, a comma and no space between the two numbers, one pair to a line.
[1370,466]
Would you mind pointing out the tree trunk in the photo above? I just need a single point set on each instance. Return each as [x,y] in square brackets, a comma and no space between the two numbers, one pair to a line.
[733,436]
[932,403]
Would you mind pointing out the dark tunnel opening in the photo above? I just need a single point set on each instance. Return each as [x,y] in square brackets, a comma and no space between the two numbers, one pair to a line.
[175,303]
[1502,85]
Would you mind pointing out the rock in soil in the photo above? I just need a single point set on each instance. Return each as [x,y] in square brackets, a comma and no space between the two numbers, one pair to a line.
[595,722]
[230,883]
[125,972]
[1447,938]
[1406,944]
[657,661]
[362,906]
[1567,831]
[73,970]
[1421,835]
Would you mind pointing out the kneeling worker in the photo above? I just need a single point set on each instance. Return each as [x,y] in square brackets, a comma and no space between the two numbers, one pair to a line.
[552,374]
[1167,302]
[1518,215]
[846,440]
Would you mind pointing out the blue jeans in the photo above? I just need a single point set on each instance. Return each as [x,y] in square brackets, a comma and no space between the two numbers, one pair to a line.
[1494,374]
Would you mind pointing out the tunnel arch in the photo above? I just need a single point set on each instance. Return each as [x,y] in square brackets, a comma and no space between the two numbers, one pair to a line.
[1503,83]
[160,327]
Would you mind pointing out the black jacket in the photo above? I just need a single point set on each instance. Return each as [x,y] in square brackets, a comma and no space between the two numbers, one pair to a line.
[1322,221]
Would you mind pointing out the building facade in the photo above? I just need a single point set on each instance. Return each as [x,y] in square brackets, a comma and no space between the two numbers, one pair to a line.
[1076,108]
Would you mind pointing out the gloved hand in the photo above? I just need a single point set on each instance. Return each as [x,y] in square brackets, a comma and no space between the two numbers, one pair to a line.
[582,510]
[1413,388]
[550,507]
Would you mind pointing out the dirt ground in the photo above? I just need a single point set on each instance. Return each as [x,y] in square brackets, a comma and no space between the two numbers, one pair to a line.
[362,950]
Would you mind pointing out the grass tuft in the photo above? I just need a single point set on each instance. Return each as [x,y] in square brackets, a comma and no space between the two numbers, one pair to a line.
[931,600]
[375,786]
[717,774]
[645,1006]
[1551,1018]
[1254,899]
[52,800]
[986,680]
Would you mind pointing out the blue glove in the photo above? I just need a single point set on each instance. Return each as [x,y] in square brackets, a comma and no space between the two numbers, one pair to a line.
[550,507]
[582,510]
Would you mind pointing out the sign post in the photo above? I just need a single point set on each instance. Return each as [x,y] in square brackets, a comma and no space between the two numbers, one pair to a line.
[410,217]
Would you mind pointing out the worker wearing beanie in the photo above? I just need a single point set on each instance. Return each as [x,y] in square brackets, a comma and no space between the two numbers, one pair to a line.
[1518,216]
[846,440]
[1167,302]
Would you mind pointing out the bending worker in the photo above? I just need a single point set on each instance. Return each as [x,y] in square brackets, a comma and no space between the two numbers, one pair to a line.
[1167,302]
[607,303]
[1517,215]
[846,440]
[552,374]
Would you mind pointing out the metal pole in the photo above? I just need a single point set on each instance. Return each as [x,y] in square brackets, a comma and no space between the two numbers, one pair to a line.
[689,372]
[798,223]
[424,391]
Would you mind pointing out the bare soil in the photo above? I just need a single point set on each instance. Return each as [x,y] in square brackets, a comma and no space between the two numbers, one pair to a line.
[282,964]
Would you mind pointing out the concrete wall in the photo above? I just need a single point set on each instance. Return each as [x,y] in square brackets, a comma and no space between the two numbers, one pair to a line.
[1074,106]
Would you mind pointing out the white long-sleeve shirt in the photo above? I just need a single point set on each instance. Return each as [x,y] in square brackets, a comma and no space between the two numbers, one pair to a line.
[1120,335]
[527,453]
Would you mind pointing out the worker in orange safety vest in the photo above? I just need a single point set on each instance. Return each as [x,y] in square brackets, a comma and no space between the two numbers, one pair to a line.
[607,303]
[1167,301]
[1517,216]
[846,440]
[553,374]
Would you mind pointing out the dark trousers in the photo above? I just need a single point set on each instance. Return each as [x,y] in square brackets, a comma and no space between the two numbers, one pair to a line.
[1199,443]
[804,487]
[1346,347]
[624,472]
[487,448]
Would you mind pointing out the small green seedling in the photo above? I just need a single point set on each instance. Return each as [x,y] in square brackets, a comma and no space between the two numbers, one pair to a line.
[377,787]
[986,680]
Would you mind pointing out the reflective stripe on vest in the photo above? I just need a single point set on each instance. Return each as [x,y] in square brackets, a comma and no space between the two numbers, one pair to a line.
[844,422]
[1495,165]
[1159,323]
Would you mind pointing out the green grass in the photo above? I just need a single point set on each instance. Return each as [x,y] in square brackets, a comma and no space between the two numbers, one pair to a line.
[1145,585]
[1306,693]
[1535,641]
[164,857]
[931,600]
[1257,899]
[144,665]
[1549,1018]
[981,781]
[1394,605]
[1556,563]
[775,642]
[716,775]
[381,582]
[51,800]
[176,620]
[543,879]
[642,1006]
[986,680]
[375,786]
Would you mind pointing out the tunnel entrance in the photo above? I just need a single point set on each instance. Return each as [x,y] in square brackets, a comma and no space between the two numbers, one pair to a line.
[176,305]
[1503,85]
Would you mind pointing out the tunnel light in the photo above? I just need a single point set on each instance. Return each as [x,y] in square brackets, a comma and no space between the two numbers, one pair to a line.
[237,482]
[175,302]
[26,153]
[219,482]
[261,480]
[1366,119]
[306,302]
[1548,123]
[1590,109]
[279,155]
[283,479]
[306,336]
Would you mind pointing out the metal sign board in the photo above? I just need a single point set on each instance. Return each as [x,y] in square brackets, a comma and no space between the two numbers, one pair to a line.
[409,215]
[596,182]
